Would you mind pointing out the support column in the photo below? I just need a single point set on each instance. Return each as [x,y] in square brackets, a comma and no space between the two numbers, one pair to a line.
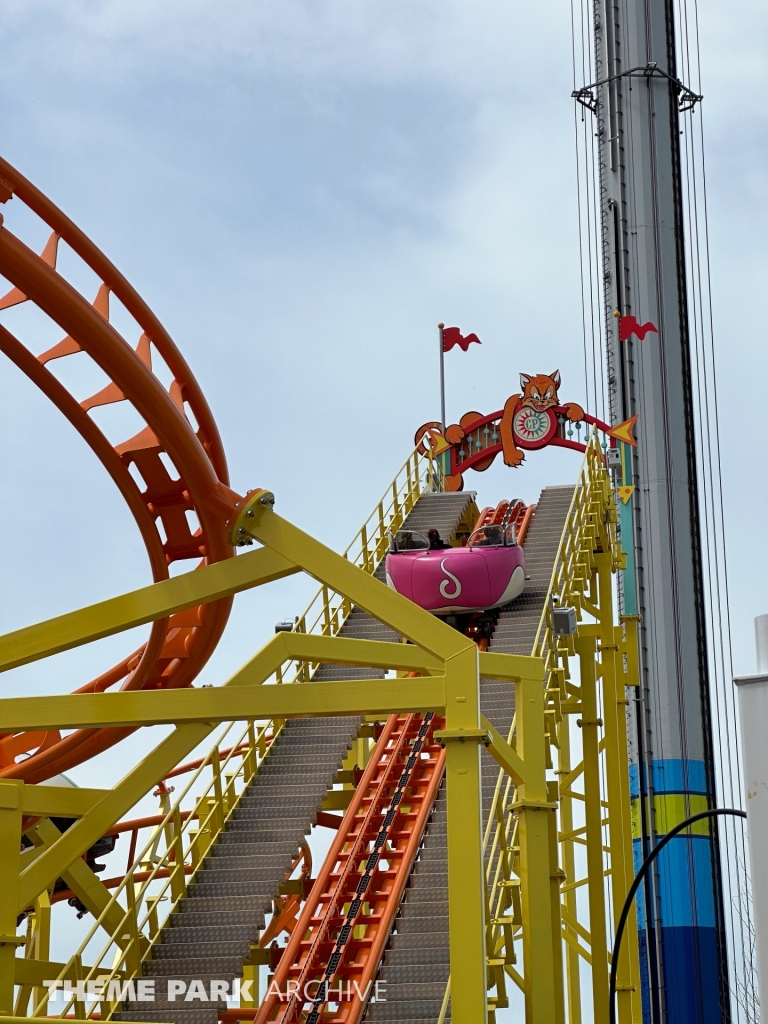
[535,813]
[466,876]
[593,810]
[615,704]
[42,946]
[10,848]
[572,965]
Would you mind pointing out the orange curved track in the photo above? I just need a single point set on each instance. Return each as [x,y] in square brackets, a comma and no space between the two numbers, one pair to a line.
[172,471]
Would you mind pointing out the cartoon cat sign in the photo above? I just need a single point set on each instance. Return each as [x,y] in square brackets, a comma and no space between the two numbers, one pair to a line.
[530,420]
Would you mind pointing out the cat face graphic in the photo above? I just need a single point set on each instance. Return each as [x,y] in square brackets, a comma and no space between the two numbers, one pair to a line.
[540,392]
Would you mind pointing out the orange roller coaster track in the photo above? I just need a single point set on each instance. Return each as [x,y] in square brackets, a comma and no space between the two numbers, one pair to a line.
[330,962]
[179,431]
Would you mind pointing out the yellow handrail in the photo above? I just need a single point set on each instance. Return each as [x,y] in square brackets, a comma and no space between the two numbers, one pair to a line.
[327,611]
[184,849]
[570,581]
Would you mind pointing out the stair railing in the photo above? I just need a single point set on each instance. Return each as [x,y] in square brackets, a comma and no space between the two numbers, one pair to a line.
[589,524]
[589,532]
[327,611]
[159,876]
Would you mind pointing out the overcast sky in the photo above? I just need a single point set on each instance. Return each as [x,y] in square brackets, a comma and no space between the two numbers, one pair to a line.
[301,190]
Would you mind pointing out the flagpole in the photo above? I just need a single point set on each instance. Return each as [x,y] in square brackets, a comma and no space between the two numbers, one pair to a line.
[440,328]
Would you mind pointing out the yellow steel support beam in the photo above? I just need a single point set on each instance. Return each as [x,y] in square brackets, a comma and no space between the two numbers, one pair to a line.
[40,948]
[569,896]
[87,886]
[223,704]
[534,809]
[84,833]
[555,877]
[512,667]
[342,650]
[585,648]
[503,754]
[59,801]
[338,799]
[10,831]
[617,788]
[363,590]
[466,877]
[138,607]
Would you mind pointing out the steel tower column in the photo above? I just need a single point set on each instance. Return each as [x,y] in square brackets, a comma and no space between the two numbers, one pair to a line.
[682,948]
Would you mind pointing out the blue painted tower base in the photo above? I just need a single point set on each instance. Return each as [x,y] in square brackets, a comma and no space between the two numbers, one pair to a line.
[686,884]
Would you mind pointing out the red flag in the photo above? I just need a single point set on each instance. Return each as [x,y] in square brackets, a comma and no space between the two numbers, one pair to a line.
[629,325]
[453,336]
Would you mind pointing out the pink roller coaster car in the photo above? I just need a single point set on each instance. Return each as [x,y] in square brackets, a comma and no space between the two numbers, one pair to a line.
[487,573]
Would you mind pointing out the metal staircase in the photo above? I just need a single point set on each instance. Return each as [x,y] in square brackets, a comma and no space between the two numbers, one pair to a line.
[416,965]
[209,935]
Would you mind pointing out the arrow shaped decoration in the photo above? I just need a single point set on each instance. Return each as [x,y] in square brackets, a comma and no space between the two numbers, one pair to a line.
[623,431]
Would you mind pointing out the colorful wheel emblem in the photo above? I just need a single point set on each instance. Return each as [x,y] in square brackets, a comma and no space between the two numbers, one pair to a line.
[532,428]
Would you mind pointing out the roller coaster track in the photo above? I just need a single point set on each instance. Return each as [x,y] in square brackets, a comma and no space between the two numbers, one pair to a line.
[415,968]
[341,935]
[172,473]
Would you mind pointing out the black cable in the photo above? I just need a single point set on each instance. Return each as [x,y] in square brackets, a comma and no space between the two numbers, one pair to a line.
[578,207]
[711,813]
[728,760]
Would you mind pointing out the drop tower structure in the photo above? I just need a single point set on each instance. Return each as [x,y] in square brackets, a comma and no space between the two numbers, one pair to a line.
[637,100]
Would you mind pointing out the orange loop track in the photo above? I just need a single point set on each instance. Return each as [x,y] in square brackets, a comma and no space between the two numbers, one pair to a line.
[179,430]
